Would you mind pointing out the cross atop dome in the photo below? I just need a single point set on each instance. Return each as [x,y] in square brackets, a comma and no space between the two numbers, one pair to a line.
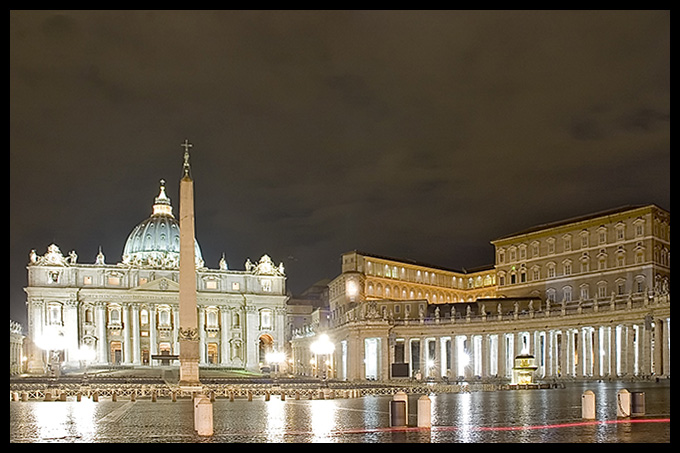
[162,204]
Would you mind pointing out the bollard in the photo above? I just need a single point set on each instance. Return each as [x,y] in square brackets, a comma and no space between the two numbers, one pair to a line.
[62,396]
[231,396]
[588,405]
[114,396]
[212,396]
[297,395]
[398,413]
[79,396]
[133,395]
[174,397]
[95,396]
[24,396]
[424,412]
[623,403]
[637,404]
[15,396]
[283,395]
[402,396]
[203,416]
[266,396]
[250,395]
[48,396]
[153,396]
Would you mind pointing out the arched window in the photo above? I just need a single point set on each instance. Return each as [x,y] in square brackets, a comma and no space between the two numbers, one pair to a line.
[211,318]
[144,317]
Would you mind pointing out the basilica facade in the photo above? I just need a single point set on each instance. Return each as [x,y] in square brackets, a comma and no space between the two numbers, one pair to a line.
[127,313]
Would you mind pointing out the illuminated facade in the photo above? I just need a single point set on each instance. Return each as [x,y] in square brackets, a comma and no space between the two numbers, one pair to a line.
[621,251]
[16,348]
[390,318]
[125,314]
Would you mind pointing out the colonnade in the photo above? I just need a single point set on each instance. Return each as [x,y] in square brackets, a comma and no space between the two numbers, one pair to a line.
[620,350]
[624,339]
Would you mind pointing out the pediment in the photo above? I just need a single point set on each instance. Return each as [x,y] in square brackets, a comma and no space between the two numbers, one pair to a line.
[160,284]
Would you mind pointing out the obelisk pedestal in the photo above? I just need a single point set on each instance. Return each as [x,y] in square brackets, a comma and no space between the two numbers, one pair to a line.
[188,323]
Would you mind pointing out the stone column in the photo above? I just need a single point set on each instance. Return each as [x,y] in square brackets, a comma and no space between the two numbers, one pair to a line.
[630,349]
[610,364]
[201,334]
[666,347]
[127,348]
[596,351]
[36,364]
[224,337]
[454,358]
[175,329]
[485,355]
[645,349]
[502,355]
[153,342]
[568,342]
[102,340]
[384,358]
[136,348]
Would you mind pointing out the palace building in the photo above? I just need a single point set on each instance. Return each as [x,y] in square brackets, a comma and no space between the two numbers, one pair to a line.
[127,313]
[581,298]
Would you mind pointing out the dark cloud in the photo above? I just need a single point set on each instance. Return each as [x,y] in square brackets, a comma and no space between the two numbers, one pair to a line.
[407,133]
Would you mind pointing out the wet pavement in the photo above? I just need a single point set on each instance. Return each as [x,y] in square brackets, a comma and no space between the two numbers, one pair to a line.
[548,415]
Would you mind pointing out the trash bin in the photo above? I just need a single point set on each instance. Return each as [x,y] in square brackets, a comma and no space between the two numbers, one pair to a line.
[637,404]
[397,413]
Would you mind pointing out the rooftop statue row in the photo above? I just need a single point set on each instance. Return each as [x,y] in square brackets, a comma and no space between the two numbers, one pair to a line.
[54,257]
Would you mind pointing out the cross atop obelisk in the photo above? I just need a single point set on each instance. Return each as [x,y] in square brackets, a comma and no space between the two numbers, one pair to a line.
[186,145]
[188,322]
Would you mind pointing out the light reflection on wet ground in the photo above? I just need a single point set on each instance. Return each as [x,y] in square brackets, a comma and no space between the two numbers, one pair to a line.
[551,415]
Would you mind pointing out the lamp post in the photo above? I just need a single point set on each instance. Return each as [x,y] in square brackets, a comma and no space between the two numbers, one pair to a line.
[276,359]
[53,343]
[323,347]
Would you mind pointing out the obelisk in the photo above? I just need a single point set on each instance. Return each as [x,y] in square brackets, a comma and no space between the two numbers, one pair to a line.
[188,323]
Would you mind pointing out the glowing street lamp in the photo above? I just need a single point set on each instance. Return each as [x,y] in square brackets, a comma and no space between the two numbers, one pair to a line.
[323,346]
[275,358]
[53,342]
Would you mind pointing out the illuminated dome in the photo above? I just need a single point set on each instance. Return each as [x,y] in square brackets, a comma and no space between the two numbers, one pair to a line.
[155,241]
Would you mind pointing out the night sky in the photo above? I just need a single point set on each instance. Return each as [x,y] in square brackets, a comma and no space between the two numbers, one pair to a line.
[421,135]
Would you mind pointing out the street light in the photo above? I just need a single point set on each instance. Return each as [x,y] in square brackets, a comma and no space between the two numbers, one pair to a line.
[53,342]
[323,346]
[275,358]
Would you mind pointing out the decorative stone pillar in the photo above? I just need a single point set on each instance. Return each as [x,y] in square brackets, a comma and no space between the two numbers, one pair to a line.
[127,349]
[224,336]
[136,344]
[102,337]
